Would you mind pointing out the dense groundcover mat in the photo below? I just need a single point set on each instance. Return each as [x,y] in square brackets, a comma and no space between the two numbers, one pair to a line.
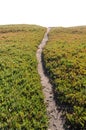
[21,99]
[65,62]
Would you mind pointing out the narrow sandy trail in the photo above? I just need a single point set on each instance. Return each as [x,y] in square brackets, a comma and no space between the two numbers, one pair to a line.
[55,121]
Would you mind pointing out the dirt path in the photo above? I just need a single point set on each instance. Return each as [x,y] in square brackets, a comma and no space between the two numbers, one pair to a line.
[55,121]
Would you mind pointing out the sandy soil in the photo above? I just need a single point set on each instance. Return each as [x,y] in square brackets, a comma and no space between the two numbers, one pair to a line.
[54,115]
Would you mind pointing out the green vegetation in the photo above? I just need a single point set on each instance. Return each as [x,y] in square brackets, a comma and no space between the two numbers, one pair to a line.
[65,62]
[21,99]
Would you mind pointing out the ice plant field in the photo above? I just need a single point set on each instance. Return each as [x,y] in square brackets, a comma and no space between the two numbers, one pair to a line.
[21,99]
[65,62]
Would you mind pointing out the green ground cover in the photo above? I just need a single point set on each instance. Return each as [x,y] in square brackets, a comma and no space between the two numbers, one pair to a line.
[65,61]
[21,98]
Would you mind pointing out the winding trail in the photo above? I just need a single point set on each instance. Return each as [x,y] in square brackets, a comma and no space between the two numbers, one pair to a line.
[55,121]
